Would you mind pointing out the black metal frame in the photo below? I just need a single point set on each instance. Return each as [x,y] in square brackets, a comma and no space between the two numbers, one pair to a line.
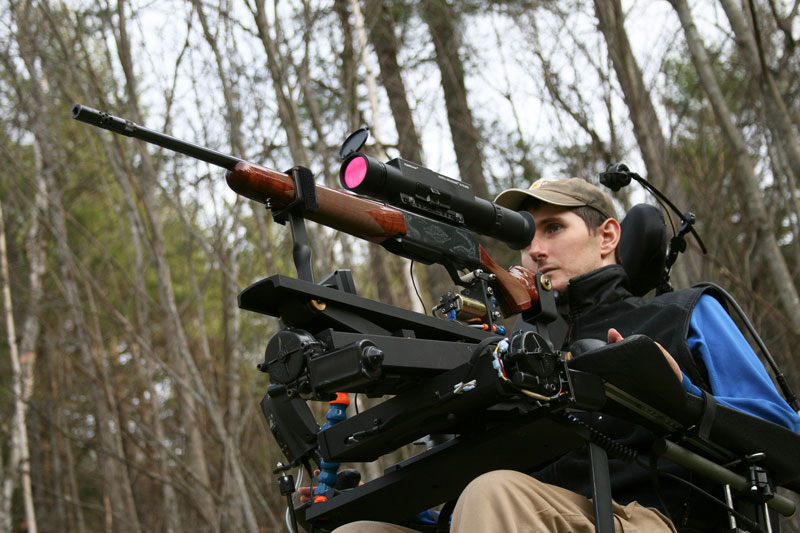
[443,385]
[424,363]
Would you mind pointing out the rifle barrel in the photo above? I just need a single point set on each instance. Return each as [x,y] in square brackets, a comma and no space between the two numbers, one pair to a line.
[107,121]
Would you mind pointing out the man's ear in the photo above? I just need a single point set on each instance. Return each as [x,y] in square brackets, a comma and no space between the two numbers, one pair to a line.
[610,233]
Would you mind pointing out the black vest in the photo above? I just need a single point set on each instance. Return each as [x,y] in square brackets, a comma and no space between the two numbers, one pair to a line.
[596,302]
[601,300]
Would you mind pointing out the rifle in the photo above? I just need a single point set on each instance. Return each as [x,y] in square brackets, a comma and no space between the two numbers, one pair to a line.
[334,340]
[428,229]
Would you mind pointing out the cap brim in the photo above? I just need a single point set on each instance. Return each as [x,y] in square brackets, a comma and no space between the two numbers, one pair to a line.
[513,198]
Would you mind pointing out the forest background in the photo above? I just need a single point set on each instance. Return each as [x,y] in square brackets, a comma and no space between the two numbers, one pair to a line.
[129,389]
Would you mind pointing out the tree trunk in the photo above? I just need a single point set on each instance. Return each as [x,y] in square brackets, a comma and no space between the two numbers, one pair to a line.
[646,126]
[19,457]
[177,342]
[240,512]
[778,118]
[56,369]
[752,199]
[438,14]
[144,370]
[117,482]
[384,40]
[287,107]
[348,74]
[115,472]
[397,288]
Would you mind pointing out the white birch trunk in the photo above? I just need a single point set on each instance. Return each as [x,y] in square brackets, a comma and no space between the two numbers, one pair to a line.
[19,460]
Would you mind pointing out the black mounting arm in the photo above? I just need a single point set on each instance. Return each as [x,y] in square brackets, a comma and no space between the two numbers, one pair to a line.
[618,175]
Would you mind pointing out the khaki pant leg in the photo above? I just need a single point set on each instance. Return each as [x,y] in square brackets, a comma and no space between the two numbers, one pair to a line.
[510,502]
[365,526]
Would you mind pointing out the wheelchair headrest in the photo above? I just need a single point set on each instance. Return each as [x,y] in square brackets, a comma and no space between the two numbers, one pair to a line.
[643,247]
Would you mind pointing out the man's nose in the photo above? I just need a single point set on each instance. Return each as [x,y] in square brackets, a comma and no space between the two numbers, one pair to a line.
[536,251]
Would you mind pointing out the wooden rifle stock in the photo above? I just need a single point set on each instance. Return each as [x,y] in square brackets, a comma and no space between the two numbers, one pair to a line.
[515,289]
[336,209]
[366,219]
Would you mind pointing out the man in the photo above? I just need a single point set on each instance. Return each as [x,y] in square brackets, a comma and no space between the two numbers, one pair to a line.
[577,234]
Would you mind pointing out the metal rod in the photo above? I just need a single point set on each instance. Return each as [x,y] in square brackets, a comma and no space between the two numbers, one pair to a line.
[109,122]
[717,473]
[729,501]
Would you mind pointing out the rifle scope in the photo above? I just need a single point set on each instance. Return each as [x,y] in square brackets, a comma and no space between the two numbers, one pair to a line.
[411,186]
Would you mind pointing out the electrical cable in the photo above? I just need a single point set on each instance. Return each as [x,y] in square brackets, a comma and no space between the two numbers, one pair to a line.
[716,501]
[481,346]
[299,482]
[540,397]
[414,283]
[477,353]
[658,194]
[290,520]
[501,373]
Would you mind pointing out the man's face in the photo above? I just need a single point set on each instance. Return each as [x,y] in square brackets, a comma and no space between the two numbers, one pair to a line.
[563,247]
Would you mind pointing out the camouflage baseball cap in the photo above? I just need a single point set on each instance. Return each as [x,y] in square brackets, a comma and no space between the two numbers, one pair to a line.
[567,192]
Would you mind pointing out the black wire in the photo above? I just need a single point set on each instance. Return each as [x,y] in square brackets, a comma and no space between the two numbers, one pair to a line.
[786,389]
[669,218]
[481,347]
[414,283]
[750,524]
[657,485]
[658,194]
[479,350]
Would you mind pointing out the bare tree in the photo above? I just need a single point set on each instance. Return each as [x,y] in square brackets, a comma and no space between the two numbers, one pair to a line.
[755,52]
[752,198]
[384,40]
[347,71]
[19,456]
[178,343]
[646,126]
[287,104]
[441,19]
[241,512]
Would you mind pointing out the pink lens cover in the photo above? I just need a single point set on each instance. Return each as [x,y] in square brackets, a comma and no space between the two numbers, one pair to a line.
[355,172]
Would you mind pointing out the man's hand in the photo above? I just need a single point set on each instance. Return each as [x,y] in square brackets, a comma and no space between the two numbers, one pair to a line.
[307,493]
[615,336]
